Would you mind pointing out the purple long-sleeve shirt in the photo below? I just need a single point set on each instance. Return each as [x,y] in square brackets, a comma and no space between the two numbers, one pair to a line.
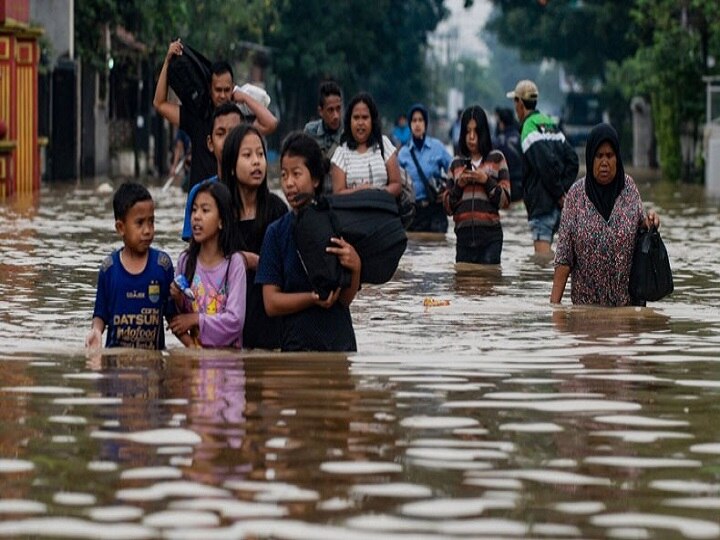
[220,295]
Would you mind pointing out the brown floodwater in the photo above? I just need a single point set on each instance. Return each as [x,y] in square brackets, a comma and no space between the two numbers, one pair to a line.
[497,415]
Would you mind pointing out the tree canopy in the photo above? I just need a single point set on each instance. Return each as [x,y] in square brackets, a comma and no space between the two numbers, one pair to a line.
[656,48]
[379,47]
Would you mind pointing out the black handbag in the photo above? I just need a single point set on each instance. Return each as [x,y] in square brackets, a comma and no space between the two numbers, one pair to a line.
[650,277]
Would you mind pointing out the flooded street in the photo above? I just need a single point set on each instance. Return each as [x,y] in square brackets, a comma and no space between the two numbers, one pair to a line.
[497,415]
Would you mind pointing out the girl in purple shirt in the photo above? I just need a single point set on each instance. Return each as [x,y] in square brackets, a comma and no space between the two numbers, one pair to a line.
[215,315]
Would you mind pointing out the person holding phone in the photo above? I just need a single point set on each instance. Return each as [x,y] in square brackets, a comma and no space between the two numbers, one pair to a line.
[478,189]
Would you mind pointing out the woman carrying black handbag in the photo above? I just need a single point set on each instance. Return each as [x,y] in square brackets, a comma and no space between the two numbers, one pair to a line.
[599,225]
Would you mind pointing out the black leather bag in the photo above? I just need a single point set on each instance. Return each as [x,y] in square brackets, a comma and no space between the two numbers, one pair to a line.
[650,277]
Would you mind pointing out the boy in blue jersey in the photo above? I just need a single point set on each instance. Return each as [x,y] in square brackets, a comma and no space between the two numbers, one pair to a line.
[133,288]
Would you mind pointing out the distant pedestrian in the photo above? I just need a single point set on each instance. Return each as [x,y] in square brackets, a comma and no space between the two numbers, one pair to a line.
[400,134]
[366,158]
[507,140]
[327,130]
[551,166]
[426,161]
[454,133]
[480,187]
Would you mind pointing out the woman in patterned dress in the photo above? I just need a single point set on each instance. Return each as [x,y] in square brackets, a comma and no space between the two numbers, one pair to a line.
[598,227]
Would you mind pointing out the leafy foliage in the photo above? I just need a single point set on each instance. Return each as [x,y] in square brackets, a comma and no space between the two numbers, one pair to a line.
[379,47]
[580,35]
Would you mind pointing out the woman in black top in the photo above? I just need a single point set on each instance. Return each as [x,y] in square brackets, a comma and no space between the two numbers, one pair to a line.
[244,171]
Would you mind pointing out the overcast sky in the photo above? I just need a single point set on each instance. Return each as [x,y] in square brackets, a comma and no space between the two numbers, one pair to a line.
[468,23]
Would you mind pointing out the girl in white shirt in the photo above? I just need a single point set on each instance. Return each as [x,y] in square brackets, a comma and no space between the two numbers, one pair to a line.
[366,158]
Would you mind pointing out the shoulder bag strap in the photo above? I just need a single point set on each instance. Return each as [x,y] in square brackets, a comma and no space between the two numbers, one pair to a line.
[423,178]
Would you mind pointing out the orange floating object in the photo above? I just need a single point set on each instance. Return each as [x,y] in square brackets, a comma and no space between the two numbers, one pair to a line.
[435,302]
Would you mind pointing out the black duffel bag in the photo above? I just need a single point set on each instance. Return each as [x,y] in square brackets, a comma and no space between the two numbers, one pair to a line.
[650,277]
[368,220]
[189,76]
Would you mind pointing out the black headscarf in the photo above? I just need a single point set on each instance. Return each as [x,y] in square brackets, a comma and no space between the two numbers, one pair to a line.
[603,196]
[419,107]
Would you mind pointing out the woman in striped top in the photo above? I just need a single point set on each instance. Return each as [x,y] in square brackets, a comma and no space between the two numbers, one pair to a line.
[365,158]
[477,191]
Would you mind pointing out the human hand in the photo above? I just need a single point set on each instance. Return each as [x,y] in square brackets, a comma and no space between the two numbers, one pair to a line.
[176,294]
[93,340]
[474,176]
[329,301]
[346,254]
[652,219]
[561,202]
[175,49]
[181,324]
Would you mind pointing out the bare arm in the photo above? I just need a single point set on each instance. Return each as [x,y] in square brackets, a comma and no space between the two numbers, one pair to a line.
[94,338]
[265,121]
[169,111]
[281,303]
[339,179]
[394,186]
[560,277]
[349,259]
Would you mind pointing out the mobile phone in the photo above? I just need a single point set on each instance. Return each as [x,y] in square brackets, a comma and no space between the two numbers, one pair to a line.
[458,162]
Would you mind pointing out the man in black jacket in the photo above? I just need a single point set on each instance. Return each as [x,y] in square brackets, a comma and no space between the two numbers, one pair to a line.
[550,166]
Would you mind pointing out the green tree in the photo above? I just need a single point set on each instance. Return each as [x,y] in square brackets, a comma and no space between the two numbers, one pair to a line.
[677,38]
[582,35]
[379,48]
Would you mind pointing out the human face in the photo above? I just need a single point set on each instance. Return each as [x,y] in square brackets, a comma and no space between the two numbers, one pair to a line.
[360,123]
[137,229]
[471,137]
[331,112]
[220,89]
[417,125]
[251,164]
[604,164]
[221,127]
[295,180]
[205,218]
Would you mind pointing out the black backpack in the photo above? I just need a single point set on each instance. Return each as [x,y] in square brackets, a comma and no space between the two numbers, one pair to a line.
[368,220]
[189,77]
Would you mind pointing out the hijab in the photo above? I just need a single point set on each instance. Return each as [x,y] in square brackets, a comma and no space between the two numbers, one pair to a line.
[603,196]
[419,107]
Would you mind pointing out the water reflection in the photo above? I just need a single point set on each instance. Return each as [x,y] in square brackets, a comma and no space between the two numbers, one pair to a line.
[490,414]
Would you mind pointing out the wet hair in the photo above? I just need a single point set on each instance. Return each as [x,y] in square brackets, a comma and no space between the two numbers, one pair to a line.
[224,109]
[220,67]
[127,196]
[376,128]
[227,235]
[299,144]
[327,89]
[231,150]
[475,112]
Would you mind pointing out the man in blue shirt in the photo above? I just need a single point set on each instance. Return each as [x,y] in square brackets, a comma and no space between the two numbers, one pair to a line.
[425,159]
